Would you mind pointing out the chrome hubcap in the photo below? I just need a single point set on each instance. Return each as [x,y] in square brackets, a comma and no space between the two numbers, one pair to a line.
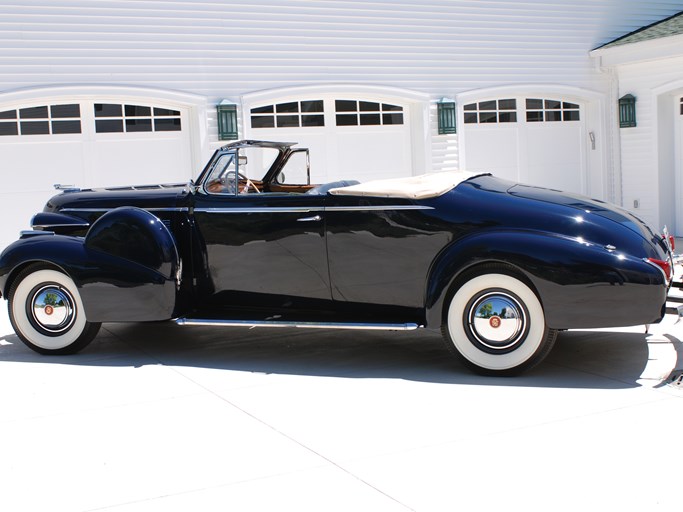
[52,308]
[497,320]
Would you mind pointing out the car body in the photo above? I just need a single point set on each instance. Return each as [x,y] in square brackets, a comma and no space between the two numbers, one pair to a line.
[498,266]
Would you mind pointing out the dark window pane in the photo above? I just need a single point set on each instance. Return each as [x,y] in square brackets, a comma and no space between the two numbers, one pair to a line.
[345,106]
[370,119]
[287,121]
[534,104]
[108,126]
[392,118]
[35,128]
[507,104]
[553,115]
[292,107]
[470,117]
[165,112]
[263,121]
[368,106]
[533,117]
[347,119]
[66,127]
[471,106]
[138,111]
[9,114]
[268,109]
[569,105]
[487,105]
[138,125]
[391,108]
[60,111]
[33,113]
[507,117]
[571,115]
[108,110]
[8,129]
[167,125]
[553,104]
[487,117]
[312,120]
[312,106]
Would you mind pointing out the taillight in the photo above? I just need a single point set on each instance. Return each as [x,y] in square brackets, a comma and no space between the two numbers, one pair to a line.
[664,265]
[672,243]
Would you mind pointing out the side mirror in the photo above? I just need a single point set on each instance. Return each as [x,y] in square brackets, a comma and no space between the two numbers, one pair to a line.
[242,160]
[281,178]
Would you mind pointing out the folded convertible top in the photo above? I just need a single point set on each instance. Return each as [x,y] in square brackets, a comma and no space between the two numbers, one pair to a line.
[414,187]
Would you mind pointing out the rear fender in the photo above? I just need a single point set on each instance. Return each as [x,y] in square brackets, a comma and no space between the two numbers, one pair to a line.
[126,268]
[576,282]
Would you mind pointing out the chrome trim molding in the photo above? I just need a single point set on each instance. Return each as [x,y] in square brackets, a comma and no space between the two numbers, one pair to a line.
[377,208]
[274,209]
[61,225]
[301,325]
[97,210]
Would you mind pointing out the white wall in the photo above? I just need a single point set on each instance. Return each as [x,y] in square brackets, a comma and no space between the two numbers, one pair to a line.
[224,49]
[648,150]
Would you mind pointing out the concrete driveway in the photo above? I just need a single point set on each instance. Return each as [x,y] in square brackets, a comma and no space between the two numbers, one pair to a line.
[163,418]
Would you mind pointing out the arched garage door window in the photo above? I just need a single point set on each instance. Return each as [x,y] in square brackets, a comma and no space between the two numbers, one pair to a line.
[536,140]
[349,137]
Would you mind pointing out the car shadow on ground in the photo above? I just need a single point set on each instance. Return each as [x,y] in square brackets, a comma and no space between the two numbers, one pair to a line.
[580,359]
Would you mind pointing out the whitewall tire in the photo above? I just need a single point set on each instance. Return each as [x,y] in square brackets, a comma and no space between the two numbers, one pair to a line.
[495,324]
[47,313]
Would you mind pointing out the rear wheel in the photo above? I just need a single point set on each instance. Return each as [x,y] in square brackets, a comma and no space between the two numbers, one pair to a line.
[495,324]
[47,313]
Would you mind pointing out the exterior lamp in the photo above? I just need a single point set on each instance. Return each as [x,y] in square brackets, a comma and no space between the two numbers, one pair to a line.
[446,112]
[627,111]
[227,120]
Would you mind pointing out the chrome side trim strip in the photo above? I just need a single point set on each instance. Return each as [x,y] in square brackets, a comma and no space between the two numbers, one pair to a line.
[377,208]
[301,325]
[274,209]
[60,225]
[97,210]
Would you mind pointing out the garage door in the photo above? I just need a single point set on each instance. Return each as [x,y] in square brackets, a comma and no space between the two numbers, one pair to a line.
[348,137]
[533,140]
[98,142]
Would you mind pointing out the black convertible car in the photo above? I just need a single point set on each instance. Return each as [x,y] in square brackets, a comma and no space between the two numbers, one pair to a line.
[497,266]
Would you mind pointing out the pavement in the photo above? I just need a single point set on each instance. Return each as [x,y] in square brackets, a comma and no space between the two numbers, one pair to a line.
[158,417]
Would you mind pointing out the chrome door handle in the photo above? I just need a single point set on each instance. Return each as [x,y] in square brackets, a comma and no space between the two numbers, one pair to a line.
[315,218]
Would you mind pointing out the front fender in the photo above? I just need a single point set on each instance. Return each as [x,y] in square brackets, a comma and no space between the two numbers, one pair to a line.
[580,285]
[125,268]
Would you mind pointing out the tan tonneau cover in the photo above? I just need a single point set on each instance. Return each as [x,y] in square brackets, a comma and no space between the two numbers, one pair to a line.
[414,187]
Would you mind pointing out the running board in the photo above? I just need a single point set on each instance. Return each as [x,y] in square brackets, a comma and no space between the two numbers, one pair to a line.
[300,325]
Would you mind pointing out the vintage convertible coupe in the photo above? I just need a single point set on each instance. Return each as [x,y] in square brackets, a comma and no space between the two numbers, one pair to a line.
[497,266]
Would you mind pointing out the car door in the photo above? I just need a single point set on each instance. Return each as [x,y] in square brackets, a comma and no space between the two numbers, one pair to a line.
[262,248]
[381,249]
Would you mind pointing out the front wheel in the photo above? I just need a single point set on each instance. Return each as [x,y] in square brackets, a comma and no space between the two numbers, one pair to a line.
[47,313]
[495,324]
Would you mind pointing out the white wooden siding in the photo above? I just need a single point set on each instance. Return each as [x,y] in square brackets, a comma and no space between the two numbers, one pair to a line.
[643,180]
[224,49]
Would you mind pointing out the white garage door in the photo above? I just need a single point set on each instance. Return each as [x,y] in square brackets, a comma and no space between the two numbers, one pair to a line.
[348,137]
[539,141]
[98,142]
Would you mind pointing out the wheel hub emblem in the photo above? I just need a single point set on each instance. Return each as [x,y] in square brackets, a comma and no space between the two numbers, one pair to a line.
[49,310]
[494,322]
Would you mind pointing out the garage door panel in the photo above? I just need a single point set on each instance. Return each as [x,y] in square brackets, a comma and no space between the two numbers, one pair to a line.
[373,154]
[138,162]
[493,151]
[555,158]
[37,166]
